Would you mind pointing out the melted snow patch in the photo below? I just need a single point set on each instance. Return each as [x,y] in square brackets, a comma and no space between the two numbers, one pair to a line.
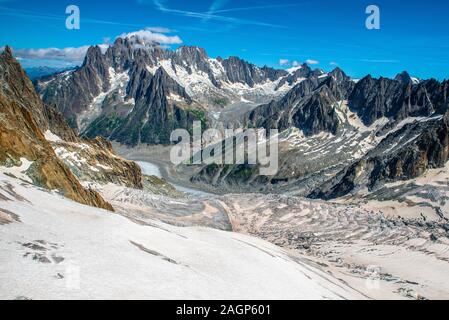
[72,158]
[294,69]
[175,97]
[20,171]
[50,136]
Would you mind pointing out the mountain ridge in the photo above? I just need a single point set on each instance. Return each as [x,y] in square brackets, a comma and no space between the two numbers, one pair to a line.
[146,92]
[36,138]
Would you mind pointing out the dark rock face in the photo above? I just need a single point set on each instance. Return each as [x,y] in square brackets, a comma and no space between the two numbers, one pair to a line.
[193,58]
[317,114]
[78,94]
[22,119]
[304,72]
[25,119]
[373,99]
[74,94]
[339,84]
[404,78]
[154,116]
[403,155]
[238,70]
[308,106]
[154,102]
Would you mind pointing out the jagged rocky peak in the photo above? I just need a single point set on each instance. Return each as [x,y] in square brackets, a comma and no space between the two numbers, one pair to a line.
[163,85]
[134,48]
[404,154]
[308,107]
[239,70]
[191,53]
[7,52]
[15,85]
[318,113]
[339,75]
[339,83]
[23,122]
[405,78]
[373,99]
[192,58]
[295,74]
[96,63]
[93,55]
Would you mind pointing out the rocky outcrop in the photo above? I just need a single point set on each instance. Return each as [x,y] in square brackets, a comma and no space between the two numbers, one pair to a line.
[95,161]
[301,73]
[99,97]
[317,114]
[339,84]
[73,91]
[404,78]
[240,71]
[22,116]
[62,159]
[309,106]
[403,155]
[373,99]
[163,90]
[378,152]
[155,115]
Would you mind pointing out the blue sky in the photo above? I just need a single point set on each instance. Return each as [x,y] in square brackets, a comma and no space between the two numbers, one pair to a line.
[414,35]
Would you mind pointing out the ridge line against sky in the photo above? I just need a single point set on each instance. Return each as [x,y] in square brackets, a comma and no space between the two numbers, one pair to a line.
[325,34]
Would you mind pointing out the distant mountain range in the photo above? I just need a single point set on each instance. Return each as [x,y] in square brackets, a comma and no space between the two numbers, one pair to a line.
[340,135]
[42,71]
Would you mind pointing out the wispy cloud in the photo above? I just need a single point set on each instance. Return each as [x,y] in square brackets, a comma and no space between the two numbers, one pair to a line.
[75,55]
[70,55]
[284,62]
[27,14]
[161,6]
[312,62]
[272,6]
[287,62]
[333,63]
[216,5]
[159,29]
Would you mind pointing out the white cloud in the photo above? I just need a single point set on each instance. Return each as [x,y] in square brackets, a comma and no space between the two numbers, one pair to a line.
[296,63]
[68,54]
[312,62]
[333,63]
[159,29]
[75,55]
[284,62]
[149,36]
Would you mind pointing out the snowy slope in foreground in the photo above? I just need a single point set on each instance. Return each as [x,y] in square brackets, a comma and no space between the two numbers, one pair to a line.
[53,248]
